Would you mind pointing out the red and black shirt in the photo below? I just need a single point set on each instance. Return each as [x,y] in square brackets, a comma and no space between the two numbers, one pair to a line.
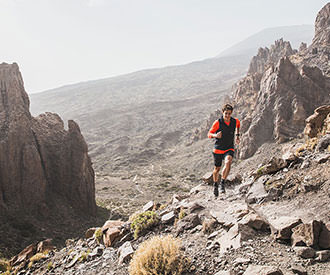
[226,142]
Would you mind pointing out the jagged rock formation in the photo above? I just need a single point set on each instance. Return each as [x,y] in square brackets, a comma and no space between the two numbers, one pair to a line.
[43,167]
[267,57]
[277,111]
[318,53]
[246,90]
[282,88]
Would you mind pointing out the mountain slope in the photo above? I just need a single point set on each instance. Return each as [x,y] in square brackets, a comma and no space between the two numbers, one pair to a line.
[264,38]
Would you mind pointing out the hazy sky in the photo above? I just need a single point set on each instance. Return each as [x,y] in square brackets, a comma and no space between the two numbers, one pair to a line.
[58,42]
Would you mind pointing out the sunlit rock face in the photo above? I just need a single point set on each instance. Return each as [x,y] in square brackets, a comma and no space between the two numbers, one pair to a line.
[282,88]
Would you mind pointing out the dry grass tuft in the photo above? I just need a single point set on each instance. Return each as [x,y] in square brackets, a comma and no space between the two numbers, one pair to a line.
[159,255]
[37,257]
[310,144]
[4,265]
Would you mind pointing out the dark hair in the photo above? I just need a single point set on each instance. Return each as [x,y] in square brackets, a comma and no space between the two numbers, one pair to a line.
[227,107]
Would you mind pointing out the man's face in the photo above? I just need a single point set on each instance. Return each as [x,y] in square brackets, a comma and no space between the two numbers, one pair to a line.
[227,114]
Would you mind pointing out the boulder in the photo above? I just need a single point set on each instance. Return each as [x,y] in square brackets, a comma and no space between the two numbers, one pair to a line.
[274,165]
[305,252]
[110,236]
[315,122]
[235,236]
[282,227]
[168,218]
[191,207]
[257,191]
[90,232]
[323,256]
[177,198]
[229,213]
[148,206]
[97,252]
[323,143]
[188,222]
[324,238]
[24,256]
[299,270]
[45,246]
[112,232]
[208,178]
[262,270]
[112,223]
[224,272]
[306,234]
[125,252]
[254,221]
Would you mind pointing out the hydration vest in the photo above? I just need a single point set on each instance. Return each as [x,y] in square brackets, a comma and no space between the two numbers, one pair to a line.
[227,139]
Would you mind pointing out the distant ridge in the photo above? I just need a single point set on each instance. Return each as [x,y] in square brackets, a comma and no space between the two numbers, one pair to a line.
[295,34]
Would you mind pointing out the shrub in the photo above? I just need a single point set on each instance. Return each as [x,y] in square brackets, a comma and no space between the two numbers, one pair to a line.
[143,221]
[50,265]
[182,214]
[260,171]
[4,265]
[98,235]
[158,255]
[84,255]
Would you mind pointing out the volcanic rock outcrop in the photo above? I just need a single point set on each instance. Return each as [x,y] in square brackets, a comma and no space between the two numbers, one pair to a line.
[318,53]
[286,97]
[282,88]
[43,167]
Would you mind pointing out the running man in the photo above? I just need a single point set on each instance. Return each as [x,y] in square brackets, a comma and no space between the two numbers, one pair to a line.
[223,131]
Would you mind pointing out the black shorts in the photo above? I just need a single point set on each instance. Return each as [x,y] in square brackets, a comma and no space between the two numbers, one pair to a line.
[219,157]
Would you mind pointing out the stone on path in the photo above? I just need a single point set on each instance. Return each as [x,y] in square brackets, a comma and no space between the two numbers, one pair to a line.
[323,255]
[262,270]
[208,178]
[306,234]
[305,252]
[282,227]
[111,232]
[148,206]
[324,239]
[168,218]
[257,191]
[125,252]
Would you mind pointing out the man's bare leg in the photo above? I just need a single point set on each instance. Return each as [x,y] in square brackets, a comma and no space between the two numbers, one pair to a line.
[225,172]
[226,168]
[215,180]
